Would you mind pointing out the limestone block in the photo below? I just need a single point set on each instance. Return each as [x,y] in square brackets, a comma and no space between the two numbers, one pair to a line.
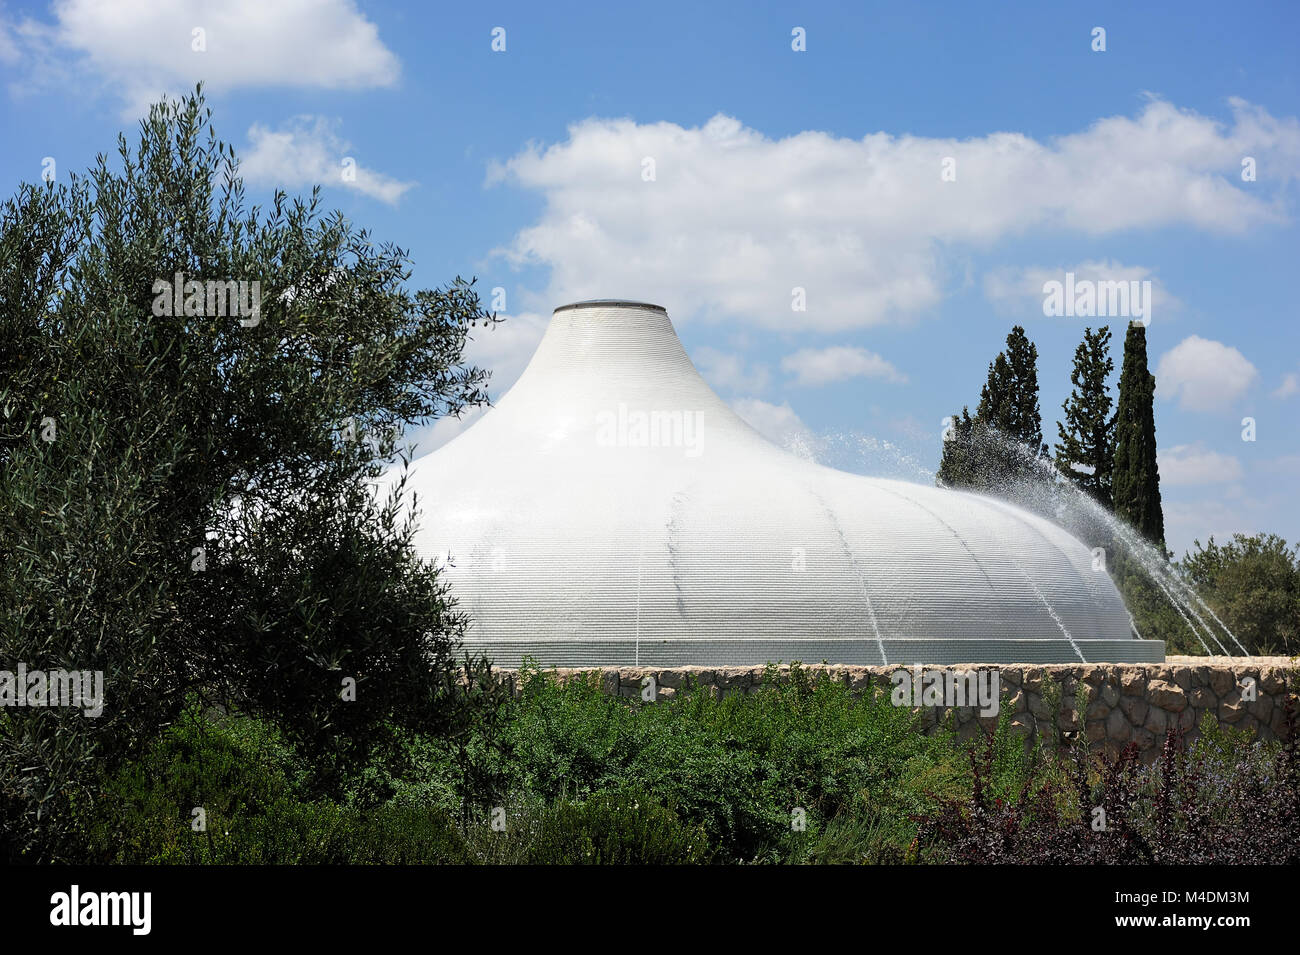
[1135,708]
[1262,708]
[1117,727]
[1232,708]
[1038,706]
[1157,721]
[1133,681]
[1272,680]
[1166,695]
[1202,697]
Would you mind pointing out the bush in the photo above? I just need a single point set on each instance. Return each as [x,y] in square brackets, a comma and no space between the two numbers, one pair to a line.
[619,828]
[602,780]
[739,767]
[1254,584]
[249,785]
[1224,800]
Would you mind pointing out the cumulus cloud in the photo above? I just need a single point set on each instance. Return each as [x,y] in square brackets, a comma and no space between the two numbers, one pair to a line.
[506,348]
[1186,464]
[8,47]
[434,436]
[822,366]
[1219,516]
[1290,386]
[503,349]
[1020,290]
[779,424]
[1203,375]
[308,150]
[728,371]
[138,49]
[722,221]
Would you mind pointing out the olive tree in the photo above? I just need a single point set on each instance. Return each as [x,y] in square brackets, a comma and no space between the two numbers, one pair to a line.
[197,400]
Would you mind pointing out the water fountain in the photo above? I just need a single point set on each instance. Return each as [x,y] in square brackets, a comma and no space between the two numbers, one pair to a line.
[1041,487]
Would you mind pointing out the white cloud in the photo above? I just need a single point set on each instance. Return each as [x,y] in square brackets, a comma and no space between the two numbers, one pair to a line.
[503,349]
[8,47]
[1219,516]
[734,221]
[779,424]
[1020,290]
[506,348]
[307,150]
[434,436]
[138,49]
[1186,464]
[1290,386]
[727,371]
[1203,375]
[822,366]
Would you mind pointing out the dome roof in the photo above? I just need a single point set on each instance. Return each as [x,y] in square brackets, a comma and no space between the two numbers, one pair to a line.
[613,510]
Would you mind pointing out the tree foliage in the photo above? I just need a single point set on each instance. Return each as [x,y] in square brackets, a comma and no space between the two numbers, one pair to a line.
[996,450]
[1253,583]
[1009,399]
[1137,474]
[186,500]
[1085,451]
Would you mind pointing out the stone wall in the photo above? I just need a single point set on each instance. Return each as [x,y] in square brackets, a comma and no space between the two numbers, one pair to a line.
[1125,701]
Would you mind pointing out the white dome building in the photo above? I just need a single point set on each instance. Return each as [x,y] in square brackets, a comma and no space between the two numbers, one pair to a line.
[613,510]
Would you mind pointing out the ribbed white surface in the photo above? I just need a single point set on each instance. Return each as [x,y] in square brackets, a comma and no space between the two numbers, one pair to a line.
[579,552]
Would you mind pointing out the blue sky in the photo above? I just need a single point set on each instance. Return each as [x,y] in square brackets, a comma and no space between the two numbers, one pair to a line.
[775,169]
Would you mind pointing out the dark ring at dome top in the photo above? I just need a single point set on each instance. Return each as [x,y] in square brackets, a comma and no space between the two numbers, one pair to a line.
[611,303]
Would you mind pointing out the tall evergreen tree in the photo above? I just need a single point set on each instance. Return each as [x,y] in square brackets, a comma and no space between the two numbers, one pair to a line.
[982,452]
[1087,436]
[955,466]
[995,397]
[1137,476]
[1009,399]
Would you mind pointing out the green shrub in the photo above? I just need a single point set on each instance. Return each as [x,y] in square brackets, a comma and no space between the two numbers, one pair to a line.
[620,828]
[798,771]
[861,834]
[249,785]
[738,766]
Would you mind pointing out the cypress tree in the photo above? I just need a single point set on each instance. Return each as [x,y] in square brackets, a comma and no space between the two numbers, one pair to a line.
[995,397]
[1087,436]
[1136,482]
[1009,400]
[955,467]
[979,452]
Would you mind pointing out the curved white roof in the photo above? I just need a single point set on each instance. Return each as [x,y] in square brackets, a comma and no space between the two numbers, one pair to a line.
[613,510]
